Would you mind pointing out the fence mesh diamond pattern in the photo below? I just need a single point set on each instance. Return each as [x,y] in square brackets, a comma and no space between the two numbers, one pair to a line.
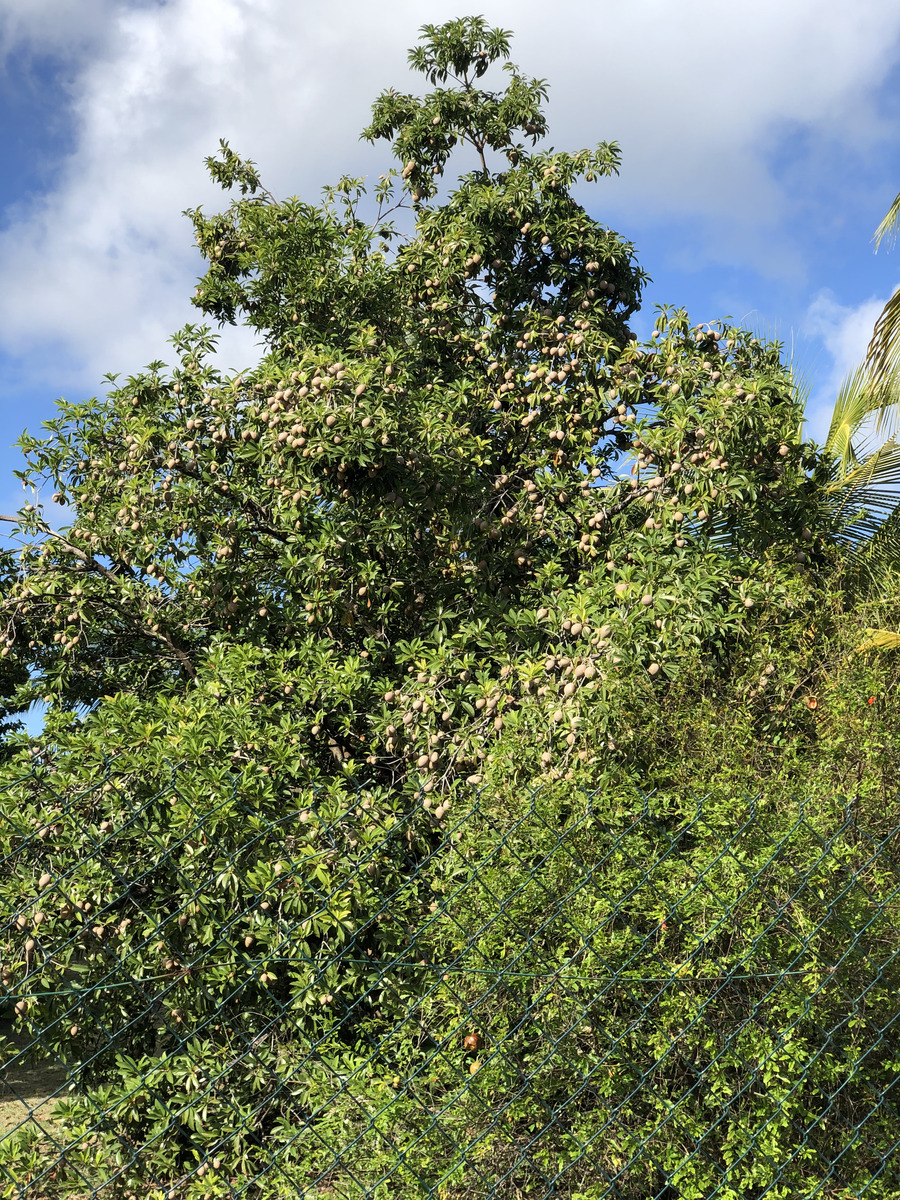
[213,992]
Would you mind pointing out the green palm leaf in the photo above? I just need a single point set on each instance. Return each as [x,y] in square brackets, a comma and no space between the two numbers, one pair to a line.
[890,225]
[864,492]
[880,639]
[883,354]
[862,443]
[865,503]
[861,397]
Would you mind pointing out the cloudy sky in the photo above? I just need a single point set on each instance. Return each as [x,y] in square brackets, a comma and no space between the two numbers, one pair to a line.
[760,138]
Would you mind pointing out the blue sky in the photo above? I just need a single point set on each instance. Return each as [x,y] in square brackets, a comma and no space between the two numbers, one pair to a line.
[761,146]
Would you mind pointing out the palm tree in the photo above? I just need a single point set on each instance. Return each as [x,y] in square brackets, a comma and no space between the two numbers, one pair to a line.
[862,441]
[862,437]
[863,493]
[864,490]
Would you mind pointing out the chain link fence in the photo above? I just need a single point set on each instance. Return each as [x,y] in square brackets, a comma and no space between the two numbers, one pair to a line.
[216,989]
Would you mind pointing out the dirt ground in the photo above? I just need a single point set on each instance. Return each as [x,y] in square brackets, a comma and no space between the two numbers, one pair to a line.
[26,1092]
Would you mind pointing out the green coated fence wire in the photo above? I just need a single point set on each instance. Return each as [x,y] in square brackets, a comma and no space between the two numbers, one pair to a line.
[205,992]
[500,972]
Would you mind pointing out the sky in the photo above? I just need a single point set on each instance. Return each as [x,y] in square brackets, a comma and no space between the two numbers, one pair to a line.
[760,143]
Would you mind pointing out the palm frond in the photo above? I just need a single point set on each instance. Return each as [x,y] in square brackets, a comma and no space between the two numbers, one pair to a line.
[864,489]
[880,639]
[865,496]
[852,406]
[890,225]
[878,472]
[867,406]
[801,379]
[883,353]
[865,510]
[872,539]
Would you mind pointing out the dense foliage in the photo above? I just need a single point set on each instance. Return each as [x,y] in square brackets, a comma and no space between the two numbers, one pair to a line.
[457,537]
[428,473]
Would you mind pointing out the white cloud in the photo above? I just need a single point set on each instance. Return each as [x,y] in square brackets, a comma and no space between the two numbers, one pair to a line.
[97,273]
[845,330]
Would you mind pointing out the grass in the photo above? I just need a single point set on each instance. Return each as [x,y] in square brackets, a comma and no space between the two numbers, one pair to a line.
[28,1092]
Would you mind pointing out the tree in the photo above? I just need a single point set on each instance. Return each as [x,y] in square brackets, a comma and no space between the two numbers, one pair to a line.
[458,535]
[864,488]
[433,441]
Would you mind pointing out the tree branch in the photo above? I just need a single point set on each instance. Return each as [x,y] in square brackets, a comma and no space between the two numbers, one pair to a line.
[92,564]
